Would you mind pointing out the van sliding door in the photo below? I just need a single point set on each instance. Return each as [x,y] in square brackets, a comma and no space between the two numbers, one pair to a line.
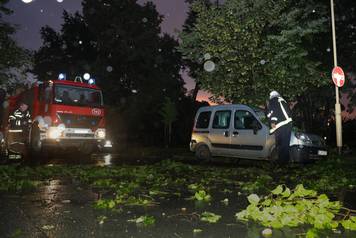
[219,135]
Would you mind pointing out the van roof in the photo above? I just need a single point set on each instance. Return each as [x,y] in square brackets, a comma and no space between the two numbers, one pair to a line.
[225,106]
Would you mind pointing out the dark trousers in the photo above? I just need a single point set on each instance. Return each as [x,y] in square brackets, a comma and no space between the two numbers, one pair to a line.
[282,142]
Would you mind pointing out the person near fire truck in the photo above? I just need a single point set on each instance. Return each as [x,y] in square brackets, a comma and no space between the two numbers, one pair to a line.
[279,116]
[20,119]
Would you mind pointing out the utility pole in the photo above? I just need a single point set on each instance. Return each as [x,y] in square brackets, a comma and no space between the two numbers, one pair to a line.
[338,123]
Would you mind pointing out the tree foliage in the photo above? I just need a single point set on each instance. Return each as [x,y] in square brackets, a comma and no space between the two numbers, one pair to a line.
[169,115]
[250,47]
[12,56]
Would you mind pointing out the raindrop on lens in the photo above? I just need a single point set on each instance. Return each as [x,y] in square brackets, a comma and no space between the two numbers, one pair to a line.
[209,66]
[207,56]
[109,69]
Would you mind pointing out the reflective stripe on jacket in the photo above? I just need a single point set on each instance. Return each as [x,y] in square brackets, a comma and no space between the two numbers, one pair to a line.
[278,113]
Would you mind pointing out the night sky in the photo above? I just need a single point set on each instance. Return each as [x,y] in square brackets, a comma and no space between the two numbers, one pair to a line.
[30,17]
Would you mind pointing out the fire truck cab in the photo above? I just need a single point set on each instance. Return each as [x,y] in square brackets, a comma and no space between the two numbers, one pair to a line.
[64,114]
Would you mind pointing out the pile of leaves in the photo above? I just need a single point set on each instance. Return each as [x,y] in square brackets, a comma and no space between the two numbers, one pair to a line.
[292,208]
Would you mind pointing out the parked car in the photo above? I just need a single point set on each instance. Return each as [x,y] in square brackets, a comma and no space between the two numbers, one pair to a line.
[237,130]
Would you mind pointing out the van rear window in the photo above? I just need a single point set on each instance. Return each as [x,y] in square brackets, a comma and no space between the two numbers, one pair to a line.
[203,120]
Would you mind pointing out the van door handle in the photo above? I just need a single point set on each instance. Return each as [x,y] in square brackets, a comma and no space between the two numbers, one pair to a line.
[226,133]
[235,133]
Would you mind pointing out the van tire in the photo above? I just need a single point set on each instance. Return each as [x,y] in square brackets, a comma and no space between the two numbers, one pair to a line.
[203,153]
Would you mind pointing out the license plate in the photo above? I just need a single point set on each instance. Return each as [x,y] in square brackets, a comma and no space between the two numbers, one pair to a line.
[322,152]
[81,131]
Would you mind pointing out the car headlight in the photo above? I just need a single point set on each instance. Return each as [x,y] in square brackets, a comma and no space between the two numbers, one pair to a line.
[303,138]
[54,133]
[100,133]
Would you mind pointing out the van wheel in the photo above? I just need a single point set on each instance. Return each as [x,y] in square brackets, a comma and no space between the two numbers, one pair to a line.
[203,153]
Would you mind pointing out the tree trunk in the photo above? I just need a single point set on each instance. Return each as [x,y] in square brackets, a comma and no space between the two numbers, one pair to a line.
[195,91]
[169,134]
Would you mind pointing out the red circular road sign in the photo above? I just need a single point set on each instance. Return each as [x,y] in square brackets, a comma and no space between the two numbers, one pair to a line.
[338,76]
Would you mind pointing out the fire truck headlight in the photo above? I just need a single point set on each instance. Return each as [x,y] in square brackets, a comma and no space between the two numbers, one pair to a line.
[54,133]
[61,127]
[108,144]
[100,133]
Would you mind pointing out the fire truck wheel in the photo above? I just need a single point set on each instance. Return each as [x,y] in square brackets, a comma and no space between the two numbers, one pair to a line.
[35,142]
[37,152]
[4,155]
[86,148]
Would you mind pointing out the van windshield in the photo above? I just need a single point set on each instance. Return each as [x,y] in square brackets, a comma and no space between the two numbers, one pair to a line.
[77,96]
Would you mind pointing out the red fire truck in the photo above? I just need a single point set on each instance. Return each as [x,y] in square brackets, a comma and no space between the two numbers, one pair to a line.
[64,114]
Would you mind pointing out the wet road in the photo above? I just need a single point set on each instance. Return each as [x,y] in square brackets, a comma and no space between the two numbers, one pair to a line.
[64,208]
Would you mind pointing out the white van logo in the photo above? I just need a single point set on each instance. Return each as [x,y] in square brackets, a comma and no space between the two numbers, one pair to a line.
[96,111]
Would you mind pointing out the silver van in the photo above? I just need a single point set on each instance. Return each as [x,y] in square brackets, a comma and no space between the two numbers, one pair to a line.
[236,130]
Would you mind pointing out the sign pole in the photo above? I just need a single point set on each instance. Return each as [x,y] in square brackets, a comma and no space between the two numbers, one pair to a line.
[338,123]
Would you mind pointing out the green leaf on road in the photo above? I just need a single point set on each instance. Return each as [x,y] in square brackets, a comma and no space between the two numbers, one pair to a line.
[253,199]
[210,217]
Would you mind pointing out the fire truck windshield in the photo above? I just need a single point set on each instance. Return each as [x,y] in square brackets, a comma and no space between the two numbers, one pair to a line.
[76,96]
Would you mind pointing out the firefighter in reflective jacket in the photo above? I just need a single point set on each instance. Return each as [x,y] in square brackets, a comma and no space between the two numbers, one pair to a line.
[20,119]
[279,116]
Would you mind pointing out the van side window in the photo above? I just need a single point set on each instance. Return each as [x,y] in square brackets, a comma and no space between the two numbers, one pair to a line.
[222,119]
[245,120]
[203,120]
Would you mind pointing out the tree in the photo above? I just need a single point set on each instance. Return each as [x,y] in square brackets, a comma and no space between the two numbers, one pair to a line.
[12,56]
[187,28]
[246,48]
[315,107]
[169,115]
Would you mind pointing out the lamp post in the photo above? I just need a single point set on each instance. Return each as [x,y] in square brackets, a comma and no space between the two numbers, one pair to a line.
[338,123]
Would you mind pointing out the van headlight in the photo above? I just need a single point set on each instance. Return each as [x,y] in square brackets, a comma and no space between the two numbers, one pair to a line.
[100,134]
[304,138]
